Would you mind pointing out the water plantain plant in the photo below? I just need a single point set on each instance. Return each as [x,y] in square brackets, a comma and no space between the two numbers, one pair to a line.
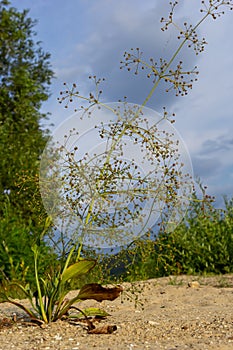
[90,183]
[49,302]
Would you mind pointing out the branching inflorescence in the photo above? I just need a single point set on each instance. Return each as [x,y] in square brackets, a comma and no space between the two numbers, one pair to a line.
[110,172]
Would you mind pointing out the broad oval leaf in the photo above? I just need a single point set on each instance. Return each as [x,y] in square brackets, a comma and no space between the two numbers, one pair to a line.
[97,292]
[91,311]
[77,269]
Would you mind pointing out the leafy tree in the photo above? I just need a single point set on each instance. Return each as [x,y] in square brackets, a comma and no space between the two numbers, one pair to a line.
[25,76]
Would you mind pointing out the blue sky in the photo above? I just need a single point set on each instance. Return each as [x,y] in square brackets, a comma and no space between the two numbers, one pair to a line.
[89,37]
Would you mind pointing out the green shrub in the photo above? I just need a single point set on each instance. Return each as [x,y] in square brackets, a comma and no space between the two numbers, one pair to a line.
[16,256]
[206,244]
[202,243]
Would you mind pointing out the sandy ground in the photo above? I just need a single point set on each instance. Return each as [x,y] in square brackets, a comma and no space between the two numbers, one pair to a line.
[184,312]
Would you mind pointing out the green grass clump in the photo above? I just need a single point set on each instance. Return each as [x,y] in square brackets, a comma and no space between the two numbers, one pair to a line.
[201,244]
[16,256]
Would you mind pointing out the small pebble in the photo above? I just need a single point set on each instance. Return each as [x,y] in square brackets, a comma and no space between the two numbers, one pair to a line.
[194,284]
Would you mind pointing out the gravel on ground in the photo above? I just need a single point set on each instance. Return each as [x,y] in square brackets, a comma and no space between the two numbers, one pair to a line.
[178,313]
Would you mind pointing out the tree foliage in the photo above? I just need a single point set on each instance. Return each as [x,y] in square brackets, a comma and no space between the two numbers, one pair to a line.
[25,76]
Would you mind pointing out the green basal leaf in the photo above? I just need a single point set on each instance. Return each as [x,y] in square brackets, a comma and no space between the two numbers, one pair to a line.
[3,298]
[21,306]
[26,290]
[77,269]
[91,311]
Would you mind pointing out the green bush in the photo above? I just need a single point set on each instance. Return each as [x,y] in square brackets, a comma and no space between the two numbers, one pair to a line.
[202,243]
[16,240]
[206,245]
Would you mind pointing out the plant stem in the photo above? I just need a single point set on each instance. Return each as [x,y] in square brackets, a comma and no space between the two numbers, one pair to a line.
[162,73]
[42,310]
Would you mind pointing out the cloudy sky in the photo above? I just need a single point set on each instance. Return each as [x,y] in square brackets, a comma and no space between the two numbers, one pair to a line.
[90,36]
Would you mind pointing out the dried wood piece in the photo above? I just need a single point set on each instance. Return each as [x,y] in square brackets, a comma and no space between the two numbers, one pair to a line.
[106,329]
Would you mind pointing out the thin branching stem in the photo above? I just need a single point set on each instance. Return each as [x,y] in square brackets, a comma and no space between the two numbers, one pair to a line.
[162,74]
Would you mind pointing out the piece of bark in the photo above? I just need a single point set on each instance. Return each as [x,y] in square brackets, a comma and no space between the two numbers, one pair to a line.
[103,330]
